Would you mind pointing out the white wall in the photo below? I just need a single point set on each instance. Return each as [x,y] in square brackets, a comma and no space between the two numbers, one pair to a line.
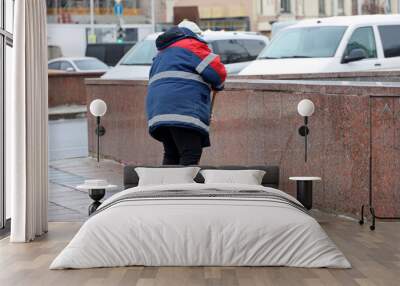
[72,37]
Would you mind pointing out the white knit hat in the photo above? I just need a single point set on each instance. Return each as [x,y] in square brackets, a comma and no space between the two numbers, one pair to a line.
[192,26]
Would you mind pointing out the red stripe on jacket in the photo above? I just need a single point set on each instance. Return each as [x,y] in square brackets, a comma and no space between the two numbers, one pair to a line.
[202,51]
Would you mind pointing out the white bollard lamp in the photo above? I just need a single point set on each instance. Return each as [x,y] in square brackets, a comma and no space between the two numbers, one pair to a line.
[305,108]
[98,108]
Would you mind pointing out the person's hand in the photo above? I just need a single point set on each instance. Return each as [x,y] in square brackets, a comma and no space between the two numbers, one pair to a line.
[212,118]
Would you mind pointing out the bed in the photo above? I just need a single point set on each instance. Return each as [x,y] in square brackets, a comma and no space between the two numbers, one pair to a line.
[199,224]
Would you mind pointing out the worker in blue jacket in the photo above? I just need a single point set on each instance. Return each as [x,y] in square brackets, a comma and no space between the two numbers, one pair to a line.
[182,77]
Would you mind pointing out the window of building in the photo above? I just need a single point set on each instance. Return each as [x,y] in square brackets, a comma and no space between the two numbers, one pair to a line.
[261,3]
[363,38]
[321,7]
[388,6]
[285,6]
[340,7]
[6,43]
[390,40]
[78,11]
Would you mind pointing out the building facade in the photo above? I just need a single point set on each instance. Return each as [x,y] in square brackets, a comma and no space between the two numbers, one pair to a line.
[269,11]
[376,6]
[70,19]
[260,14]
[105,11]
[70,28]
[213,14]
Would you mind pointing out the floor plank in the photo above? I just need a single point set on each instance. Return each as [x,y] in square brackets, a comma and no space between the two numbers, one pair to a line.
[375,257]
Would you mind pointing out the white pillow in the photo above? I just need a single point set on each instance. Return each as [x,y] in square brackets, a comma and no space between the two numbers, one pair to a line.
[165,176]
[248,177]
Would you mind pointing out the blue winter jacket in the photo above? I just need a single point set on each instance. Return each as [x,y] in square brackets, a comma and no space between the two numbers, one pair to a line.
[182,76]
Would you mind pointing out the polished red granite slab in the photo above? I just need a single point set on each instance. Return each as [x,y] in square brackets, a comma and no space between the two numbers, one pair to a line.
[256,122]
[68,88]
[385,144]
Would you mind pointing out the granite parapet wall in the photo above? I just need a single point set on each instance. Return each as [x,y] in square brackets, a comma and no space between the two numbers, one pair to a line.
[369,76]
[256,122]
[68,88]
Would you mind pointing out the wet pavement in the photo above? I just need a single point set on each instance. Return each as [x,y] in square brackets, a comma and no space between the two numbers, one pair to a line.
[68,138]
[66,202]
[70,165]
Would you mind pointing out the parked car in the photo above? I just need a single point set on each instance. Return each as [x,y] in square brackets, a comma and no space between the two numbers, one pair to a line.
[85,64]
[237,50]
[337,44]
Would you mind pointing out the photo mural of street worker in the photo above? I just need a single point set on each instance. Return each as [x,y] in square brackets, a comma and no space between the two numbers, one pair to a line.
[183,76]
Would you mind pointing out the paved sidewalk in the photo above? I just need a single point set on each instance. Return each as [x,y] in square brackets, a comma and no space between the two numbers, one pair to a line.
[66,202]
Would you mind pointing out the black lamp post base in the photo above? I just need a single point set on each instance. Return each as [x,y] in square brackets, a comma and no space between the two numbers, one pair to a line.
[93,207]
[96,195]
[304,193]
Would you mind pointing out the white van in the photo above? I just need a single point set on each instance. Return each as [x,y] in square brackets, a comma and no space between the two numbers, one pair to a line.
[279,26]
[236,49]
[337,44]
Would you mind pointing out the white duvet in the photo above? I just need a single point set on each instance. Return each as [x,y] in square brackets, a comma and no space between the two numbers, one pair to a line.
[200,231]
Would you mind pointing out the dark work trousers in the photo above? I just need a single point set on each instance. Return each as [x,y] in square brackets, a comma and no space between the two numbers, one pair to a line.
[182,146]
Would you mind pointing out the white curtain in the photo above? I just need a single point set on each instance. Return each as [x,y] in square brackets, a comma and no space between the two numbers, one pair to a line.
[26,123]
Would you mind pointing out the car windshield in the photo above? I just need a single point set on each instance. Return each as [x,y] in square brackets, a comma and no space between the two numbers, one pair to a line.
[90,64]
[141,54]
[307,42]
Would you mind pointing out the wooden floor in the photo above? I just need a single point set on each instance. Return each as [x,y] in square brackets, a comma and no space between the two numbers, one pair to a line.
[375,257]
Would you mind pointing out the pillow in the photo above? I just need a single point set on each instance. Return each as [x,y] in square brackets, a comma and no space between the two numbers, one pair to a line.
[166,176]
[248,177]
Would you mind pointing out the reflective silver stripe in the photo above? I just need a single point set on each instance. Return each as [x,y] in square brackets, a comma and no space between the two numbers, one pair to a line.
[205,62]
[177,74]
[178,118]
